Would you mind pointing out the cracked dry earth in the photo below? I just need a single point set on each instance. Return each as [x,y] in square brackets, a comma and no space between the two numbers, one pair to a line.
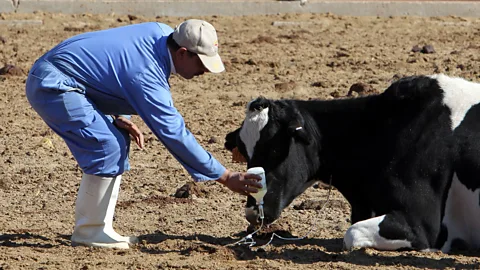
[279,56]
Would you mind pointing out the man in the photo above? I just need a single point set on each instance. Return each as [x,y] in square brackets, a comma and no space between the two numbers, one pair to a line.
[86,87]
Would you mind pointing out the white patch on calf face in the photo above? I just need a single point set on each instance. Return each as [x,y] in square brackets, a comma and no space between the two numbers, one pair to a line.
[366,233]
[253,124]
[462,215]
[459,95]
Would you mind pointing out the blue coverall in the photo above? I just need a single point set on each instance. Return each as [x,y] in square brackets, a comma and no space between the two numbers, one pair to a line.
[77,85]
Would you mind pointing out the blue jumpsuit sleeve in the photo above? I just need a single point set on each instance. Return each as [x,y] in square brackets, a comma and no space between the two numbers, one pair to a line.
[153,102]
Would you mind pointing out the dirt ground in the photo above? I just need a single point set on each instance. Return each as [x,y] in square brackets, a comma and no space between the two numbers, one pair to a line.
[282,56]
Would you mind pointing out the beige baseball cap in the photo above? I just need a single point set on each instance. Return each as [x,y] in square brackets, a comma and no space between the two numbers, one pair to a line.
[200,37]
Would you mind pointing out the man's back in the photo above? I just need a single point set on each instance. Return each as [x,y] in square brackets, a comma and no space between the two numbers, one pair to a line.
[108,60]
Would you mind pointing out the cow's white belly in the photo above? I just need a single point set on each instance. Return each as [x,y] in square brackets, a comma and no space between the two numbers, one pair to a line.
[462,215]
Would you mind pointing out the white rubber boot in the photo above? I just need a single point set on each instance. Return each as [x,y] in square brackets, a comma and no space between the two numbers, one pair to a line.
[94,208]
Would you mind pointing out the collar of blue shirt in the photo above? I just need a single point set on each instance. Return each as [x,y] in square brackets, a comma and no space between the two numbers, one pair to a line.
[172,66]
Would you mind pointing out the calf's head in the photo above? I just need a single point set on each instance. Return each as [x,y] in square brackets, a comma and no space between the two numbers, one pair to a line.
[275,135]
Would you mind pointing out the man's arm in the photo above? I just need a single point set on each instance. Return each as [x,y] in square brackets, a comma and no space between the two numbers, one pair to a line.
[152,100]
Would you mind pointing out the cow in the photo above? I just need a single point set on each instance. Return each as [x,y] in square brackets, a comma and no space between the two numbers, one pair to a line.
[407,160]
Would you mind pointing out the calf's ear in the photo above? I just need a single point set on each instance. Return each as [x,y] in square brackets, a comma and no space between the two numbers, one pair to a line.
[231,140]
[297,130]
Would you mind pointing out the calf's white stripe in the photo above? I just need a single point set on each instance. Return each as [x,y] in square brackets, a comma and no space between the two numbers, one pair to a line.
[254,122]
[459,95]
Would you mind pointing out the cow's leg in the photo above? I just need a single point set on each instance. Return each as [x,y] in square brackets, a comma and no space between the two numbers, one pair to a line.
[387,232]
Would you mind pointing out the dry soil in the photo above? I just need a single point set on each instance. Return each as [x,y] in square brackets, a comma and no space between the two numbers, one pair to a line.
[308,56]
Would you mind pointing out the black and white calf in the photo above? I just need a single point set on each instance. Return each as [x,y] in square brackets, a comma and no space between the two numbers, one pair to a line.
[407,160]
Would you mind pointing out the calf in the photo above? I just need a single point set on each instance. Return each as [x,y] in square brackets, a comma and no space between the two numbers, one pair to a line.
[407,160]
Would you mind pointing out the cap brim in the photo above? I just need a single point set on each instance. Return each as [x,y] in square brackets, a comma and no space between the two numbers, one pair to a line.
[213,63]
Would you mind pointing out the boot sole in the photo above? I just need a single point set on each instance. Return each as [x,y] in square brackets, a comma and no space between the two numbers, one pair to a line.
[123,245]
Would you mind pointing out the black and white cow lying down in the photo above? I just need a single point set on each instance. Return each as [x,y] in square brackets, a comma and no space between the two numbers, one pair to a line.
[407,160]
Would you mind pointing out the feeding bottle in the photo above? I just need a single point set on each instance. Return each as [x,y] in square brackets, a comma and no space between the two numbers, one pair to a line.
[262,191]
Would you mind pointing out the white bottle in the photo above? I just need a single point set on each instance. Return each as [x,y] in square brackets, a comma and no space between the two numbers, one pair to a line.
[262,191]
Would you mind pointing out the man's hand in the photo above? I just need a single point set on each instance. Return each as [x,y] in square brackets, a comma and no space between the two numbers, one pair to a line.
[134,131]
[242,183]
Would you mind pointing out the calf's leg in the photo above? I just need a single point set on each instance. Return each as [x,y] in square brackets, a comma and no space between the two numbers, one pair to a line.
[386,232]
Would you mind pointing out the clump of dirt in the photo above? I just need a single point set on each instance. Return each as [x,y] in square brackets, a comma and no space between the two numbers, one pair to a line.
[318,84]
[427,49]
[263,39]
[285,86]
[361,89]
[293,36]
[200,249]
[189,189]
[11,70]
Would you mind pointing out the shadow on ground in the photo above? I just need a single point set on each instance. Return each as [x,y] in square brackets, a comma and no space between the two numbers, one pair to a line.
[305,251]
[25,240]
